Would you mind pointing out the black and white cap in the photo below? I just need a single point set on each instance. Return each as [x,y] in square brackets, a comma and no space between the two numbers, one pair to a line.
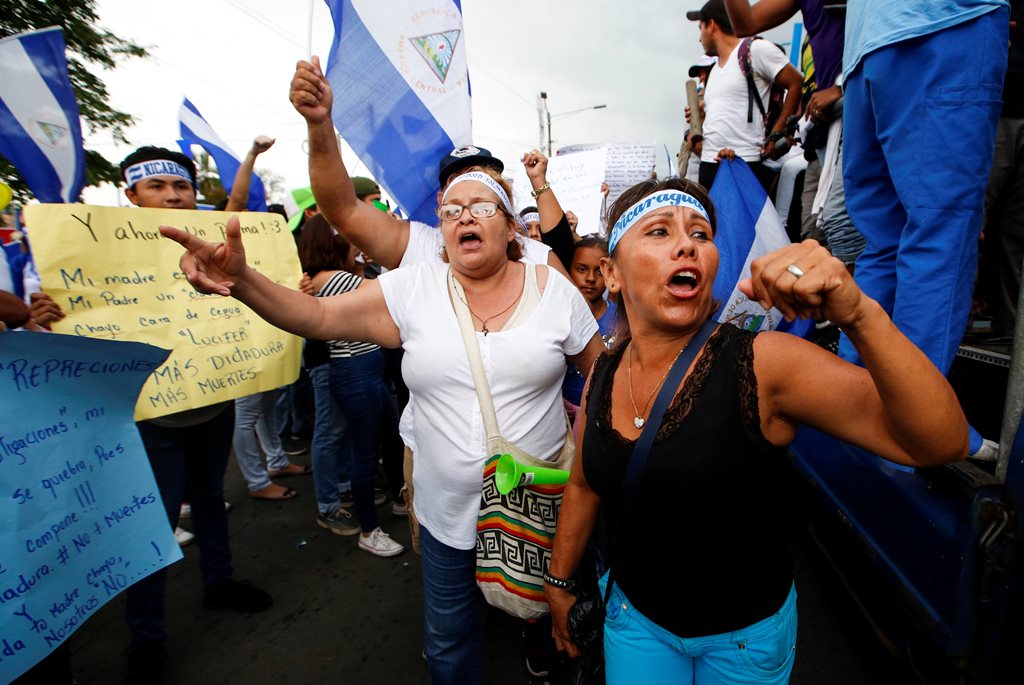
[467,156]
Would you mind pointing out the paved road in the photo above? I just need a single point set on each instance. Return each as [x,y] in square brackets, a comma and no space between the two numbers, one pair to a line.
[344,616]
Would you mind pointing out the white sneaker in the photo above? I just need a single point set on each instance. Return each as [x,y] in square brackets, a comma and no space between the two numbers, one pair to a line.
[183,537]
[399,509]
[989,451]
[380,543]
[186,509]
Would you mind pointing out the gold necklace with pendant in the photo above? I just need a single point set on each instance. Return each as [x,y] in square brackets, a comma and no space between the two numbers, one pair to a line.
[638,416]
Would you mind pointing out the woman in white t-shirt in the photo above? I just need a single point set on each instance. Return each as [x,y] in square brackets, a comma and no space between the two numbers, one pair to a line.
[520,312]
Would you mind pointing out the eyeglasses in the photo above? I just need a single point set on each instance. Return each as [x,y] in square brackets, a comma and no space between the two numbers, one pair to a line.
[479,210]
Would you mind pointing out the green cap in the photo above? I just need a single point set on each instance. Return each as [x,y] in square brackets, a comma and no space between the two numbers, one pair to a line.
[364,186]
[296,203]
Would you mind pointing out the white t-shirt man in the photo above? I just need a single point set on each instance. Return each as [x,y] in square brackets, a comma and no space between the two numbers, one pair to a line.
[449,430]
[726,102]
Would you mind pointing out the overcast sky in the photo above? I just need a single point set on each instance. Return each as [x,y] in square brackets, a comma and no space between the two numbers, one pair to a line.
[234,60]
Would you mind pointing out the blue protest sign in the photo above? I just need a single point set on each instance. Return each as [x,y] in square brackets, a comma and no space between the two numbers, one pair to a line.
[80,512]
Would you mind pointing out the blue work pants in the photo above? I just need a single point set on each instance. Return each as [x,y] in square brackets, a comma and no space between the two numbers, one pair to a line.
[919,126]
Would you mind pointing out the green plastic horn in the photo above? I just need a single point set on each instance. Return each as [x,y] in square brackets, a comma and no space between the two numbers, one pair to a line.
[510,474]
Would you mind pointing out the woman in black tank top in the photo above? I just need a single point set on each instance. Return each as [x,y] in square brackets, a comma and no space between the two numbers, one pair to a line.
[703,585]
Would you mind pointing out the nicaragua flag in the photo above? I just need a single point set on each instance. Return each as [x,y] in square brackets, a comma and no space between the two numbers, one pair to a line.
[40,132]
[401,92]
[195,130]
[748,227]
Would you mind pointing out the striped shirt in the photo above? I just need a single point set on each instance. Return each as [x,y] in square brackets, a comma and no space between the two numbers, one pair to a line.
[342,282]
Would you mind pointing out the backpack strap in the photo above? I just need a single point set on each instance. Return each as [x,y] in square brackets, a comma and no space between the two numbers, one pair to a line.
[746,66]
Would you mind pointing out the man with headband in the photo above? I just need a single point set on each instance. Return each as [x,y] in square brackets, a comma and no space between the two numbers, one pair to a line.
[158,177]
[188,452]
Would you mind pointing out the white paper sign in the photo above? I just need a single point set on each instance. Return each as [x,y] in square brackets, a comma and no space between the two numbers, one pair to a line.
[576,181]
[627,164]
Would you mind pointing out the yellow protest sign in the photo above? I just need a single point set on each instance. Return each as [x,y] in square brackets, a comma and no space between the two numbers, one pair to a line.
[117,278]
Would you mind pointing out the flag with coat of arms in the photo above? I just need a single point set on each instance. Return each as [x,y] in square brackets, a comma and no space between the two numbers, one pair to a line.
[40,132]
[748,227]
[401,92]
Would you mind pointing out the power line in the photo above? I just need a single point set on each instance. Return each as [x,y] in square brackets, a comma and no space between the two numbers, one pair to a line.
[268,23]
[504,85]
[219,86]
[507,141]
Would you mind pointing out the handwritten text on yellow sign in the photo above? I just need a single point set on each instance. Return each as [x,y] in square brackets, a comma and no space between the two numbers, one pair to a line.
[116,277]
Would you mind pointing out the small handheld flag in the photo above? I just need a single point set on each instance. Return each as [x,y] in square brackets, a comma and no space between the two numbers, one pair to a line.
[196,130]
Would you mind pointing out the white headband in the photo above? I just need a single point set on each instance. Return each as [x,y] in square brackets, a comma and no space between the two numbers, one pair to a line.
[155,167]
[531,217]
[662,198]
[481,177]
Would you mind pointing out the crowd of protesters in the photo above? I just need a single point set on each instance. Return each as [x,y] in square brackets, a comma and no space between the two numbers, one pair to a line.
[886,222]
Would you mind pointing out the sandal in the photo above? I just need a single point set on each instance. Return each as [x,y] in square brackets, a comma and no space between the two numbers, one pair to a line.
[272,493]
[292,470]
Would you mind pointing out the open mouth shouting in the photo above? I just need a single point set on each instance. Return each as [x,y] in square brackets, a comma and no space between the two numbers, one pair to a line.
[470,240]
[684,283]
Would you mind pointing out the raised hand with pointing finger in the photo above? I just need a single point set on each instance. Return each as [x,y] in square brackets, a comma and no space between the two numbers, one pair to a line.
[211,268]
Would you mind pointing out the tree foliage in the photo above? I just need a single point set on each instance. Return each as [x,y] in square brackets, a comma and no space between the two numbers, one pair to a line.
[211,190]
[88,45]
[273,184]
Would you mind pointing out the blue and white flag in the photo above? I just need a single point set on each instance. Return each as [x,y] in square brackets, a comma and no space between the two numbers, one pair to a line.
[748,227]
[401,92]
[40,132]
[195,130]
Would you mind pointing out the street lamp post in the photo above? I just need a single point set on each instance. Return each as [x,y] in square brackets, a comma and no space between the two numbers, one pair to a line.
[546,116]
[542,116]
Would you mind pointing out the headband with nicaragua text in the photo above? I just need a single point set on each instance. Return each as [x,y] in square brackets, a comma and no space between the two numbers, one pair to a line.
[155,167]
[662,198]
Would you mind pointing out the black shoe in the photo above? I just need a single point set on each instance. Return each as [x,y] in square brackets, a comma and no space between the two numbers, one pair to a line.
[236,595]
[347,501]
[536,636]
[294,446]
[146,661]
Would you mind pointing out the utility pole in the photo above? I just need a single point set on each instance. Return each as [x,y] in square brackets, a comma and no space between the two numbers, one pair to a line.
[543,115]
[561,115]
[549,133]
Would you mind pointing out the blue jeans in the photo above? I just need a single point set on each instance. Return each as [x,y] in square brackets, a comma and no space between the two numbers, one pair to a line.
[255,428]
[917,199]
[292,414]
[330,450]
[188,464]
[453,612]
[637,650]
[357,385]
[845,242]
